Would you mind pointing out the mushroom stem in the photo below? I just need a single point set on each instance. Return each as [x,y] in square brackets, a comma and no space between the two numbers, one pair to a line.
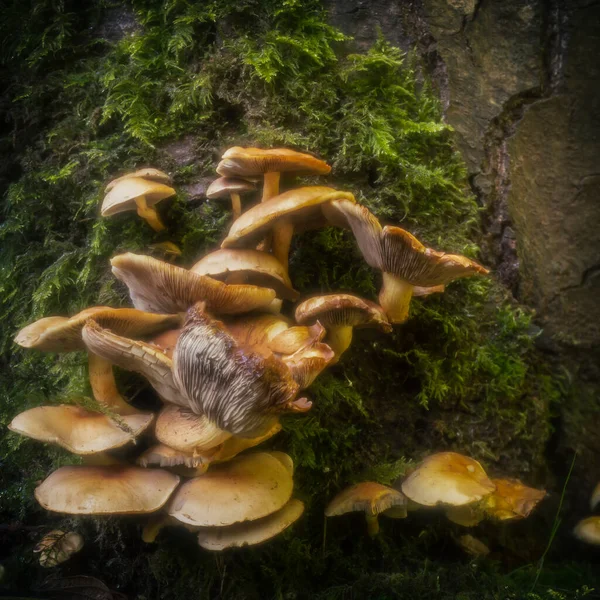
[153,527]
[372,525]
[104,386]
[394,297]
[149,214]
[338,339]
[236,205]
[271,186]
[282,238]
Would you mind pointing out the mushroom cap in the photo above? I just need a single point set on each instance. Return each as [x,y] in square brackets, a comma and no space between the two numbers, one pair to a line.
[157,286]
[124,193]
[306,364]
[255,267]
[512,500]
[58,546]
[78,430]
[296,338]
[343,310]
[368,496]
[252,532]
[248,162]
[239,390]
[293,206]
[588,530]
[164,456]
[182,430]
[257,330]
[146,173]
[225,186]
[115,490]
[447,478]
[246,488]
[62,334]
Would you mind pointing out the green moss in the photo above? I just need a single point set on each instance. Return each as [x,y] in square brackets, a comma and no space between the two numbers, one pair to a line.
[461,374]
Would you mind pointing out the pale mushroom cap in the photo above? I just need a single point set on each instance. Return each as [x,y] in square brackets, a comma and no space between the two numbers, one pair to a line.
[247,162]
[58,546]
[292,206]
[78,430]
[122,196]
[246,488]
[106,490]
[225,186]
[255,267]
[157,286]
[342,310]
[447,478]
[370,497]
[512,499]
[588,530]
[146,173]
[182,430]
[253,532]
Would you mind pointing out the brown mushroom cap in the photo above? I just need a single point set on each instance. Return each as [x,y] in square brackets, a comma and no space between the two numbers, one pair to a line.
[106,490]
[256,330]
[512,500]
[252,532]
[248,162]
[447,478]
[248,266]
[588,530]
[225,186]
[246,488]
[146,173]
[157,286]
[78,430]
[124,193]
[370,497]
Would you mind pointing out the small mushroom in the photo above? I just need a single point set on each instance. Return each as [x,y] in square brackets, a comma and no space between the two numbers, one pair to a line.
[135,193]
[280,215]
[250,162]
[146,173]
[80,490]
[370,497]
[230,187]
[58,546]
[251,533]
[247,266]
[78,430]
[157,286]
[447,478]
[340,313]
[246,488]
[588,530]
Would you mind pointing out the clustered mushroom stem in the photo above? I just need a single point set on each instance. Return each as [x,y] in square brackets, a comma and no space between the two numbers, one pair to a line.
[338,339]
[270,186]
[104,386]
[236,205]
[394,297]
[372,525]
[282,239]
[149,214]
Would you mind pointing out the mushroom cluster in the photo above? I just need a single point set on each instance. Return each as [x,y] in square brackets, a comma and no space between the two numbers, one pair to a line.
[226,363]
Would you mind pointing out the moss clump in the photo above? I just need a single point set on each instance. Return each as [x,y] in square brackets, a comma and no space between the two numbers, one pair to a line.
[460,374]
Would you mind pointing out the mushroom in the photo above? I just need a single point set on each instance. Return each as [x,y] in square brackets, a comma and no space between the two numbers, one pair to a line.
[230,187]
[280,215]
[135,193]
[370,497]
[157,286]
[146,173]
[511,500]
[588,530]
[78,430]
[256,330]
[306,364]
[106,490]
[252,532]
[296,338]
[247,266]
[404,261]
[239,390]
[245,488]
[250,162]
[467,515]
[447,478]
[57,547]
[595,497]
[340,313]
[162,455]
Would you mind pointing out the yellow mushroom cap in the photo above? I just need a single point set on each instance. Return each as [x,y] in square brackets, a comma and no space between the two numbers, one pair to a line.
[370,497]
[306,364]
[512,500]
[248,162]
[248,266]
[588,530]
[252,532]
[146,173]
[256,330]
[122,196]
[246,488]
[157,286]
[235,445]
[78,430]
[109,490]
[293,206]
[296,338]
[58,546]
[447,478]
[225,186]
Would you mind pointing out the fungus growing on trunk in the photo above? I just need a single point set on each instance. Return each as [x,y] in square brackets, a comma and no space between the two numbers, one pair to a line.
[230,187]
